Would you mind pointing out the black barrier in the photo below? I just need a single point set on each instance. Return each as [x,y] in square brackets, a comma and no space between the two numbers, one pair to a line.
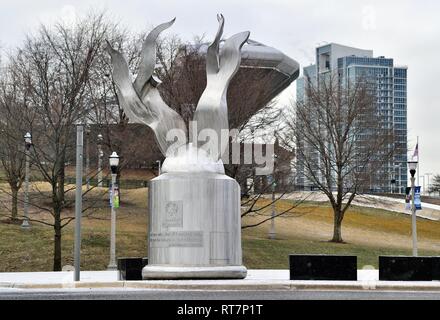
[403,268]
[436,268]
[131,268]
[322,267]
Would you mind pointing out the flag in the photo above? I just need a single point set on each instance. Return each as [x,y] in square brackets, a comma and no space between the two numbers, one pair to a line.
[416,153]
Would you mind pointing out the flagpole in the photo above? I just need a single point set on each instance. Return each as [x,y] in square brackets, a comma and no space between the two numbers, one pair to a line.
[418,162]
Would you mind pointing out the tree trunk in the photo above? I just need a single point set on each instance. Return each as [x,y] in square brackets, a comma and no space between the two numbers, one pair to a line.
[14,205]
[337,225]
[57,244]
[58,205]
[60,183]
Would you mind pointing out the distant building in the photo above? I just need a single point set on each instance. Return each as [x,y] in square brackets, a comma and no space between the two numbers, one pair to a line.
[390,85]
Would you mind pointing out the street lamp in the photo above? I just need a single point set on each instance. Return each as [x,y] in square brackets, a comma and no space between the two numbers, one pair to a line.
[100,155]
[412,165]
[114,163]
[78,200]
[27,144]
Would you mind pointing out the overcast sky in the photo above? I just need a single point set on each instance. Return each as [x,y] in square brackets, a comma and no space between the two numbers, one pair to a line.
[408,31]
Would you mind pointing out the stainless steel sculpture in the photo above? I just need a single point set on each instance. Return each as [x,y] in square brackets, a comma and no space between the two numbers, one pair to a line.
[194,225]
[142,102]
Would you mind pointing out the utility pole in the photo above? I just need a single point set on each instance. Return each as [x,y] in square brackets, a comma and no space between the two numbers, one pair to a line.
[87,131]
[418,161]
[78,200]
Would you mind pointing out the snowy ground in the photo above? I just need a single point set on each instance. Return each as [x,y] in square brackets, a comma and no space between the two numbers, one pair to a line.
[429,211]
[254,276]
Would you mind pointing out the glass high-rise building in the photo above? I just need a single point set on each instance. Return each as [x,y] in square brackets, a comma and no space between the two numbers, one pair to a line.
[389,83]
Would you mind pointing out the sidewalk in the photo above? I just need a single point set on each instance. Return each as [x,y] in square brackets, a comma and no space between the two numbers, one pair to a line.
[256,280]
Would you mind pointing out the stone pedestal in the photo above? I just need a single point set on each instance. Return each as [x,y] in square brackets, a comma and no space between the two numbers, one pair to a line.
[194,227]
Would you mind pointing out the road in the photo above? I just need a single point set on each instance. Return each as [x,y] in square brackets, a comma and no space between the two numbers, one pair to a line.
[150,294]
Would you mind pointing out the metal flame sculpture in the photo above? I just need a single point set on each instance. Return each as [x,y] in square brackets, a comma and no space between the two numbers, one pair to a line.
[142,103]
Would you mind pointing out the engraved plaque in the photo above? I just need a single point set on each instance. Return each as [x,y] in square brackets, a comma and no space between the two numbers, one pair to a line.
[173,214]
[176,239]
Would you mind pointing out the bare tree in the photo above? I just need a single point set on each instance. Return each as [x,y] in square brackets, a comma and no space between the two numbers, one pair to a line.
[12,156]
[54,67]
[340,141]
[435,186]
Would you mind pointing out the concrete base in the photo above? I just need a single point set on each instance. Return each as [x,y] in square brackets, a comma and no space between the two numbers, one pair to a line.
[25,224]
[166,272]
[112,267]
[195,227]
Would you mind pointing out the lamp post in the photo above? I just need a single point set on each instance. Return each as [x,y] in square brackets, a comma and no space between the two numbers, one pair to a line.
[158,166]
[78,200]
[412,165]
[100,155]
[27,144]
[114,163]
[87,132]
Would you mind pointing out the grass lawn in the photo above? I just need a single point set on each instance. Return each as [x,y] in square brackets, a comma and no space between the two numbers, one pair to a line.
[261,253]
[367,232]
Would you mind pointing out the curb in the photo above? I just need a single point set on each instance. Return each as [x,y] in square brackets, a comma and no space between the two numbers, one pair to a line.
[208,286]
[284,285]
